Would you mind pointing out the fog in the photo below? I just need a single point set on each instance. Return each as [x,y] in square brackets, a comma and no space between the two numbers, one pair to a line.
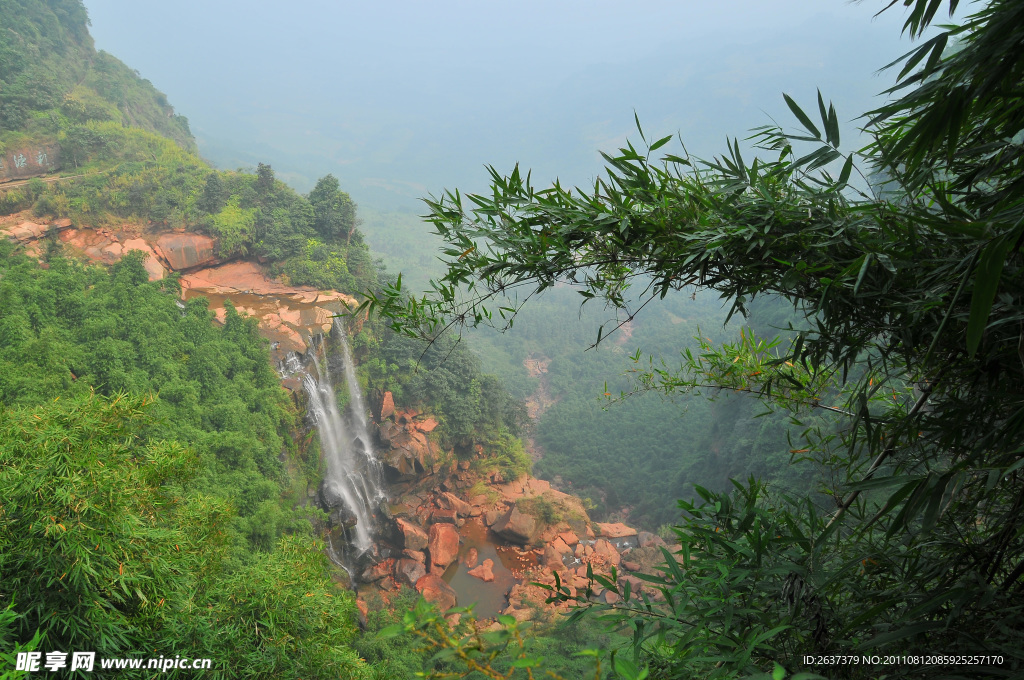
[402,99]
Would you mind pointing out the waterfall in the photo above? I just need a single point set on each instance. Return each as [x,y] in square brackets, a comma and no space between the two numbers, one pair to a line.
[353,478]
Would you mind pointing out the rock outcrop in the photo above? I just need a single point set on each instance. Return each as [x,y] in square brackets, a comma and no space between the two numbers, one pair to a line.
[185,250]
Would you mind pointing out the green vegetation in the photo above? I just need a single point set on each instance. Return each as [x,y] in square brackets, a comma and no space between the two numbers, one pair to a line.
[54,81]
[70,330]
[446,379]
[436,650]
[904,374]
[140,468]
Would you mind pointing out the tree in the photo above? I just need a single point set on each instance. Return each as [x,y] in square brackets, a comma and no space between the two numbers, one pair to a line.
[912,307]
[333,210]
[264,180]
[215,194]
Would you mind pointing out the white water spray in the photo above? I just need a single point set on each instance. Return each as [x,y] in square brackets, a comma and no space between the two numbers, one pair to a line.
[353,477]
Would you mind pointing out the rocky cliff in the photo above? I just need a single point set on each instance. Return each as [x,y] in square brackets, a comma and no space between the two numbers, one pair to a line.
[288,315]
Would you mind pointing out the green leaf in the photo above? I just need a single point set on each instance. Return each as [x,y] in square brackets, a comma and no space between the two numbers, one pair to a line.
[986,282]
[661,142]
[801,116]
[844,174]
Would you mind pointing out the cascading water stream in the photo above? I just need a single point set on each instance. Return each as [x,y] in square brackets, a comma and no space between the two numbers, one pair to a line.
[353,475]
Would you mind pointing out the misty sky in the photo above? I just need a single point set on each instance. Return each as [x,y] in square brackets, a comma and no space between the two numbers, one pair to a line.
[401,99]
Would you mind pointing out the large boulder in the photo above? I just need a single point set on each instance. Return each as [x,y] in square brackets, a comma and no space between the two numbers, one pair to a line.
[552,559]
[516,526]
[647,540]
[377,571]
[439,515]
[606,550]
[409,572]
[433,589]
[450,501]
[409,454]
[185,251]
[151,263]
[387,406]
[560,546]
[443,544]
[413,538]
[614,530]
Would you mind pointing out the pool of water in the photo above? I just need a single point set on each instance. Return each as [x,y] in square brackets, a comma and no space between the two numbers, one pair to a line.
[509,564]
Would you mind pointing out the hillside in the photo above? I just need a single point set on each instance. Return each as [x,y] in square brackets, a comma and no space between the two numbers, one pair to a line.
[55,84]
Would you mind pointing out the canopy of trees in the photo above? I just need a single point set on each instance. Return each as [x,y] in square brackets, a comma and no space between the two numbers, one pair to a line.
[909,298]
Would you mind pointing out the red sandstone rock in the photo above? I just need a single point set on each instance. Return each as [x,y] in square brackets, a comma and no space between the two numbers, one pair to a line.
[443,544]
[453,502]
[433,589]
[631,566]
[361,606]
[185,251]
[409,571]
[560,545]
[635,584]
[427,425]
[445,516]
[569,537]
[606,550]
[387,407]
[610,597]
[590,532]
[647,540]
[471,558]
[491,516]
[516,526]
[377,571]
[414,538]
[417,555]
[484,572]
[519,615]
[616,530]
[552,559]
[409,451]
[151,263]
